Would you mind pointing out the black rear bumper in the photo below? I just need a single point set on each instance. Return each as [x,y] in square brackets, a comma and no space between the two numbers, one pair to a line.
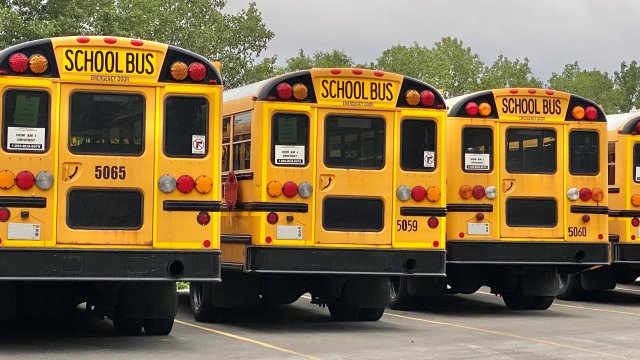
[533,253]
[626,253]
[345,261]
[109,265]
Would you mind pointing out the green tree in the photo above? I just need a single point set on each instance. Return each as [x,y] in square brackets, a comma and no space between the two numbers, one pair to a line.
[410,61]
[322,59]
[201,26]
[591,84]
[627,81]
[509,73]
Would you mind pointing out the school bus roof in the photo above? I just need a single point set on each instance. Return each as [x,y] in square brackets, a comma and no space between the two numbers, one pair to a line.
[623,123]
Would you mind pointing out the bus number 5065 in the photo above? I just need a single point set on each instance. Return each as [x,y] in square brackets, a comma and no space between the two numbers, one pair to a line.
[110,172]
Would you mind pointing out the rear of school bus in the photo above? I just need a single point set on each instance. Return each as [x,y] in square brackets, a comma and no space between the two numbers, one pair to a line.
[94,132]
[316,207]
[526,199]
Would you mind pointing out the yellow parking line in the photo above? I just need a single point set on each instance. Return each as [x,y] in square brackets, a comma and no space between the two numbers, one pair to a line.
[494,332]
[242,338]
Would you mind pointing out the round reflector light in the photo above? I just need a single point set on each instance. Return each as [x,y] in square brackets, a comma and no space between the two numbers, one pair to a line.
[484,109]
[203,218]
[7,179]
[206,243]
[272,218]
[590,113]
[418,193]
[197,71]
[289,189]
[479,216]
[38,64]
[465,191]
[305,190]
[578,112]
[185,184]
[597,194]
[274,188]
[573,194]
[635,200]
[403,193]
[471,109]
[635,222]
[412,97]
[44,180]
[18,63]
[284,91]
[167,183]
[433,222]
[178,70]
[300,92]
[433,193]
[585,194]
[491,192]
[478,192]
[427,98]
[5,214]
[25,180]
[586,218]
[204,184]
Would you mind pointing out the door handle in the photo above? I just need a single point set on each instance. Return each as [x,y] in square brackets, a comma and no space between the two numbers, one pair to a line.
[325,182]
[508,185]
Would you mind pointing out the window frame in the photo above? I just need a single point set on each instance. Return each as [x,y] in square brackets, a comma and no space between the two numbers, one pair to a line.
[491,154]
[273,144]
[327,147]
[636,145]
[206,127]
[232,158]
[506,150]
[597,146]
[5,127]
[435,143]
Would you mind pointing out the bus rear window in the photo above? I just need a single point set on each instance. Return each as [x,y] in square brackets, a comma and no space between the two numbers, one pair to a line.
[354,142]
[25,121]
[290,139]
[583,153]
[185,126]
[531,151]
[418,143]
[106,123]
[477,149]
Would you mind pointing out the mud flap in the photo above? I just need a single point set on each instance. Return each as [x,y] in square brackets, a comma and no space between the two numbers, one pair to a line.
[426,286]
[540,281]
[602,278]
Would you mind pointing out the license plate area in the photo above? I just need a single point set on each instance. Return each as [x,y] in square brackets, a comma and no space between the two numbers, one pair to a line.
[288,232]
[478,228]
[21,231]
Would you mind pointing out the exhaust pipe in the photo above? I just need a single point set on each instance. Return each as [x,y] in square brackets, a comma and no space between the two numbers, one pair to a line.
[175,268]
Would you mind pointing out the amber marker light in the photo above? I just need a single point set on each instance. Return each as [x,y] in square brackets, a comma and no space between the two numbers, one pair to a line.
[204,184]
[412,97]
[484,109]
[578,112]
[7,179]
[635,200]
[38,64]
[179,70]
[597,194]
[274,188]
[433,193]
[300,92]
[465,191]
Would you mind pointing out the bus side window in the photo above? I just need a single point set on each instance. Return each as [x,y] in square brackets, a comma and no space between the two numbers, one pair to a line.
[290,139]
[477,149]
[418,145]
[226,139]
[25,121]
[611,162]
[186,126]
[242,141]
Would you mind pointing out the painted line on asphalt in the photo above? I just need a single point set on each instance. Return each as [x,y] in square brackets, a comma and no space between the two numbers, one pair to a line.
[494,332]
[627,289]
[242,338]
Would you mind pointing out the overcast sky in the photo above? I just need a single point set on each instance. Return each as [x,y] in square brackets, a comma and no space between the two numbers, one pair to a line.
[551,33]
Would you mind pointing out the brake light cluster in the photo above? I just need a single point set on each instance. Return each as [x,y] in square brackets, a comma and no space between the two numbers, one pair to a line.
[185,184]
[196,71]
[286,91]
[478,192]
[418,193]
[473,109]
[19,63]
[289,189]
[25,180]
[425,98]
[581,113]
[585,194]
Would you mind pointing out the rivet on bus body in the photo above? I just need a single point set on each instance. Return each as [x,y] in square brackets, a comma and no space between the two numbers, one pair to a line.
[461,235]
[268,240]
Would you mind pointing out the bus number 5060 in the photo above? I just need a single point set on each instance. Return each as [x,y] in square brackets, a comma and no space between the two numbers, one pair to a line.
[577,231]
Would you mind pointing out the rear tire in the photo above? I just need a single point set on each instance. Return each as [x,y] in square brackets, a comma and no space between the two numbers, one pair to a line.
[542,302]
[158,326]
[626,277]
[399,297]
[570,287]
[200,299]
[127,327]
[515,300]
[340,312]
[370,314]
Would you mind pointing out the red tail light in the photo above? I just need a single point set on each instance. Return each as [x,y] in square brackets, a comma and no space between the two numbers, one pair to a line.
[433,222]
[25,180]
[471,109]
[18,63]
[478,192]
[427,98]
[272,218]
[635,222]
[590,113]
[585,194]
[197,71]
[203,218]
[418,193]
[185,184]
[284,91]
[289,189]
[5,214]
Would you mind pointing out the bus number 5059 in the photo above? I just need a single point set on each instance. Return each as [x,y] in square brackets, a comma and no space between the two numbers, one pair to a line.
[407,225]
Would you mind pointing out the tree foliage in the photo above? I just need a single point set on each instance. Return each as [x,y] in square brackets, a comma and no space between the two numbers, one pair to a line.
[197,25]
[591,84]
[627,81]
[509,73]
[323,59]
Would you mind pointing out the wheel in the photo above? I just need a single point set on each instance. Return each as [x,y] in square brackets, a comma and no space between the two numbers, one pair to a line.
[127,327]
[158,326]
[200,299]
[340,312]
[515,300]
[370,314]
[570,286]
[542,302]
[399,297]
[626,276]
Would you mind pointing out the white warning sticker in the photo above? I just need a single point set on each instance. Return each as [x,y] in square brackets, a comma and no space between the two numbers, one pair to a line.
[26,138]
[198,144]
[476,162]
[289,154]
[429,159]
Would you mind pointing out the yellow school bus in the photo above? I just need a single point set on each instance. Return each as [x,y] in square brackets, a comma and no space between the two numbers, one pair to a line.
[333,181]
[526,192]
[106,193]
[623,156]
